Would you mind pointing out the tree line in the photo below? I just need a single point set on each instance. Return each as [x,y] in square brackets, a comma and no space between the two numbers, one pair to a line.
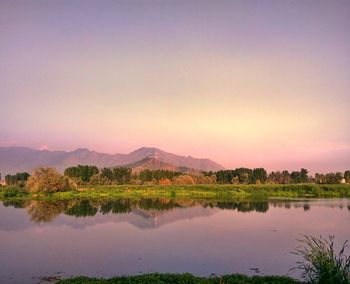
[50,180]
[260,175]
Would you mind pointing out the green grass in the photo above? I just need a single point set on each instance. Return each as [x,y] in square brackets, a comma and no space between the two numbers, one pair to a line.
[320,263]
[189,191]
[186,278]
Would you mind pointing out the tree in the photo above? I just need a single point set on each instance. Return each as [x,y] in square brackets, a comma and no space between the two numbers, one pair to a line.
[347,176]
[99,180]
[285,177]
[319,178]
[274,177]
[259,175]
[107,173]
[303,175]
[18,179]
[121,175]
[299,177]
[49,180]
[244,175]
[328,178]
[224,176]
[81,173]
[235,180]
[156,176]
[118,175]
[205,179]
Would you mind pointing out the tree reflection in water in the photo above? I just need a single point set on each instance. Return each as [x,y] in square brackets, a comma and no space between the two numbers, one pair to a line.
[116,206]
[241,206]
[83,208]
[47,210]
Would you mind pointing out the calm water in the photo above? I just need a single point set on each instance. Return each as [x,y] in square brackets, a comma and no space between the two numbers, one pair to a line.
[128,237]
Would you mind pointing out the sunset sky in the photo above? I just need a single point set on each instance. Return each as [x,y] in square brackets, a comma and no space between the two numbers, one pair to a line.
[244,83]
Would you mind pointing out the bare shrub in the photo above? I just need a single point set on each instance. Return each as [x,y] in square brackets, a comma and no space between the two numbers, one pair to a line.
[49,180]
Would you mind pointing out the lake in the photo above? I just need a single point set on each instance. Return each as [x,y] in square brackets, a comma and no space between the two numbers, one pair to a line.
[113,237]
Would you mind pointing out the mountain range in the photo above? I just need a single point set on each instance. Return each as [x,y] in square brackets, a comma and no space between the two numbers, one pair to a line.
[19,159]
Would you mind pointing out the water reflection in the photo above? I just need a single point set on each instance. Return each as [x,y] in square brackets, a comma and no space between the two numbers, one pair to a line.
[42,211]
[125,236]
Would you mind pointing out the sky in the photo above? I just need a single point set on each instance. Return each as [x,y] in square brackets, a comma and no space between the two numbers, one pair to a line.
[244,83]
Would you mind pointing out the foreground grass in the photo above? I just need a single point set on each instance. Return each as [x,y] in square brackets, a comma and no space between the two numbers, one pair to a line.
[183,279]
[216,191]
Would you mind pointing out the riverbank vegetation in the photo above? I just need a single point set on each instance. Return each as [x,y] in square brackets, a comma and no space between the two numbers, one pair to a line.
[89,181]
[91,175]
[214,191]
[185,278]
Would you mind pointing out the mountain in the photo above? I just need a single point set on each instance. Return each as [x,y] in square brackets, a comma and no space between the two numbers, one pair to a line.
[153,163]
[17,159]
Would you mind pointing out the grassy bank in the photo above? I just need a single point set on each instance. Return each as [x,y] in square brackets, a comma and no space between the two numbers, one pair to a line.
[182,279]
[187,191]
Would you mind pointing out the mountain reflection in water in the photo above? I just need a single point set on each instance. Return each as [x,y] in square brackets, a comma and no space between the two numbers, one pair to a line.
[43,211]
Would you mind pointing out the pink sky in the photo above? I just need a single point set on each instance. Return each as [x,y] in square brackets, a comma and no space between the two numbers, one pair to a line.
[239,82]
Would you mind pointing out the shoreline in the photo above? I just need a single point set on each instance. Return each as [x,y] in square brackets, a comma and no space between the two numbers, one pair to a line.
[217,191]
[167,278]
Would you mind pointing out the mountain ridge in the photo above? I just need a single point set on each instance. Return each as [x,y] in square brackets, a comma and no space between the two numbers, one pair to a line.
[17,159]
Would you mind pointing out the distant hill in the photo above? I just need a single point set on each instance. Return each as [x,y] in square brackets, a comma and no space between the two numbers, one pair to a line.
[153,163]
[17,159]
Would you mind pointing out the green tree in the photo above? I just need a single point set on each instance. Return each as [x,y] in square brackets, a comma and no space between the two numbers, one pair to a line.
[347,176]
[157,175]
[285,177]
[259,175]
[107,173]
[299,177]
[18,179]
[328,178]
[121,175]
[224,176]
[81,173]
[304,175]
[244,175]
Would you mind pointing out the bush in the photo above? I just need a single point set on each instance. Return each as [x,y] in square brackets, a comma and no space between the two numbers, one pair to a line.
[49,180]
[99,180]
[12,191]
[165,181]
[184,179]
[320,264]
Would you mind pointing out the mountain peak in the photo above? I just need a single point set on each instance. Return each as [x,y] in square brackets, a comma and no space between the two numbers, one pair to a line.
[146,152]
[148,149]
